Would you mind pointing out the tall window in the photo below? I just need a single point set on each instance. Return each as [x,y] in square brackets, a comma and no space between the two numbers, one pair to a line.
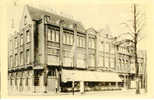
[49,35]
[11,62]
[64,38]
[27,56]
[92,60]
[21,40]
[106,61]
[112,50]
[16,60]
[71,37]
[27,36]
[15,42]
[78,41]
[53,35]
[112,62]
[107,46]
[67,38]
[10,45]
[120,65]
[18,41]
[57,36]
[11,81]
[91,43]
[25,20]
[21,58]
[84,42]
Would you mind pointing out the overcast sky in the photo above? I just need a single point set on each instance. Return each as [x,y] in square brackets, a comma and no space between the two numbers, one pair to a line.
[92,13]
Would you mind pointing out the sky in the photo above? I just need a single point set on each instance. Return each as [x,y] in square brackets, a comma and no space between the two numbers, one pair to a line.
[91,13]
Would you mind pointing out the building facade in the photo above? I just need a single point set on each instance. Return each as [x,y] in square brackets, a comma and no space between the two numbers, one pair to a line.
[52,53]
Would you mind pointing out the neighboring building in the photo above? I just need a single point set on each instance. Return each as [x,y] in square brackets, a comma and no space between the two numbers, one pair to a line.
[51,53]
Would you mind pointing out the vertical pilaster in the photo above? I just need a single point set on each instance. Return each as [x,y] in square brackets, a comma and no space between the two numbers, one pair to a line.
[75,47]
[32,41]
[61,43]
[116,58]
[125,81]
[96,44]
[109,54]
[61,55]
[45,27]
[31,81]
[87,46]
[116,84]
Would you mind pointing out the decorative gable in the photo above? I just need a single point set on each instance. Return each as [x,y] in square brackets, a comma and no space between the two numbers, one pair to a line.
[25,19]
[92,31]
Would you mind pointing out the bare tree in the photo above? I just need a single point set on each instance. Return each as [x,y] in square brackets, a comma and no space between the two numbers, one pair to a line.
[135,31]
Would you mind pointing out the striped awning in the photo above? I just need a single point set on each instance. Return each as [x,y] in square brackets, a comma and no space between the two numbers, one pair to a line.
[93,76]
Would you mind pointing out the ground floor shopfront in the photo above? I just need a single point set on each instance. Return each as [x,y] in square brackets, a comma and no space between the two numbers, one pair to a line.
[129,80]
[66,80]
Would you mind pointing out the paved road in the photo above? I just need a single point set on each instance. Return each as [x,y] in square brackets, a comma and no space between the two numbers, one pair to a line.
[130,92]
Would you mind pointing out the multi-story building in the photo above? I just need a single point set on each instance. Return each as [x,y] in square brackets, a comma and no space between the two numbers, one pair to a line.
[52,53]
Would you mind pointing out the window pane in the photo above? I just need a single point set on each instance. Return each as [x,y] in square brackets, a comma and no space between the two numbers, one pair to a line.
[15,42]
[27,36]
[112,62]
[16,60]
[27,56]
[90,43]
[78,41]
[67,38]
[84,42]
[49,34]
[71,39]
[21,58]
[57,36]
[112,50]
[64,38]
[21,40]
[53,35]
[106,62]
[106,47]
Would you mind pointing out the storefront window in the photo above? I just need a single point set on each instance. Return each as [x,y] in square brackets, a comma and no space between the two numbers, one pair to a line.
[20,81]
[36,81]
[26,81]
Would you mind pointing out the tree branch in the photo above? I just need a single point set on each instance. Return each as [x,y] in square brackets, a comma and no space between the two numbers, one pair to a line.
[128,27]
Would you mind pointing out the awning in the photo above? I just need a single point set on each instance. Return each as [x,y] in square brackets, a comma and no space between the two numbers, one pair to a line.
[93,76]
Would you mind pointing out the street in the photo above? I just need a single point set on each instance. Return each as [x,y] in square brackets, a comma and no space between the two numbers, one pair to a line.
[129,93]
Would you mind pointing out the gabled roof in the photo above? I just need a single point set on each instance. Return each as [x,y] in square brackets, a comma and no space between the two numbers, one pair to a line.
[36,13]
